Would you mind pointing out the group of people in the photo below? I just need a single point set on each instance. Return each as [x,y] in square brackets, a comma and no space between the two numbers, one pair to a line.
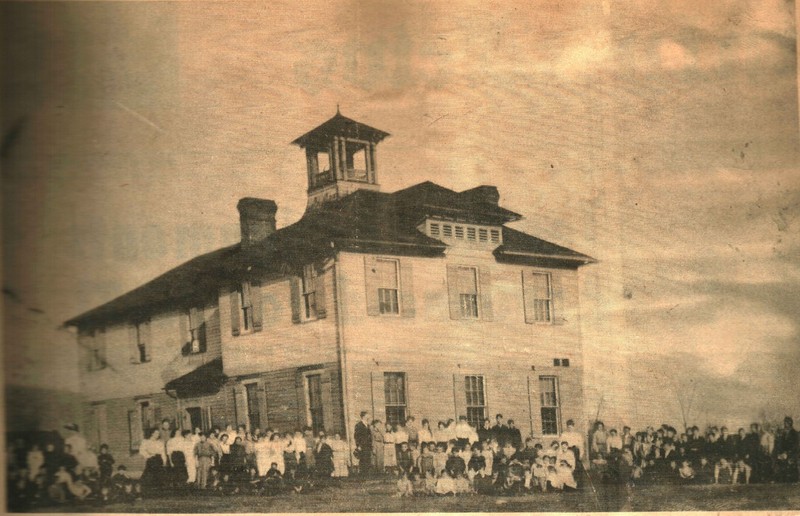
[457,457]
[448,458]
[718,456]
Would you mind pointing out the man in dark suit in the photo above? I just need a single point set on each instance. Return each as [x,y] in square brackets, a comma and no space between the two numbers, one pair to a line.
[513,435]
[363,438]
[500,430]
[786,452]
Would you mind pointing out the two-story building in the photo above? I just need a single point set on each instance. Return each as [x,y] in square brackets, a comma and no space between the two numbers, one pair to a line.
[418,302]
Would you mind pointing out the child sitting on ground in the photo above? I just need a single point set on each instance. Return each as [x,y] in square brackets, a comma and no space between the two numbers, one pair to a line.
[273,480]
[565,476]
[539,473]
[686,472]
[404,485]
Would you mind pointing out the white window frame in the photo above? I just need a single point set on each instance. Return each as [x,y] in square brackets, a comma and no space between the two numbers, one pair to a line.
[309,287]
[386,403]
[467,405]
[556,405]
[548,300]
[245,309]
[477,295]
[471,234]
[397,301]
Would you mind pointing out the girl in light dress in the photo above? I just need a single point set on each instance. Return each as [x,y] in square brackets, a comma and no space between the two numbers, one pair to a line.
[389,451]
[340,454]
[263,457]
[276,448]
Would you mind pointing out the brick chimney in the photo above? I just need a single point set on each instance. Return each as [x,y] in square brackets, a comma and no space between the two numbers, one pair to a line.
[256,218]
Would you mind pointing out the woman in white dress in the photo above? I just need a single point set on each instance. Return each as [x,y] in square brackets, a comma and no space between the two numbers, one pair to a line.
[176,457]
[276,449]
[389,451]
[262,450]
[188,452]
[339,448]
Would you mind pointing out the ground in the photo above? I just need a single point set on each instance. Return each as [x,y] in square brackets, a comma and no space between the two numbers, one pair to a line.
[376,495]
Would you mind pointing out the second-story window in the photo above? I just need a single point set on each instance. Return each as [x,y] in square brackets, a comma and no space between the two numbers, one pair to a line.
[470,292]
[96,349]
[389,286]
[246,311]
[140,343]
[388,302]
[310,292]
[538,296]
[194,334]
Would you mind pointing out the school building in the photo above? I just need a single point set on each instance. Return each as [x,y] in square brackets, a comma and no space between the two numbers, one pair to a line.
[418,302]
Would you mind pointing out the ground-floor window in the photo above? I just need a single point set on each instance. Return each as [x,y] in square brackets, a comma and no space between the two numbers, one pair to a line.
[551,401]
[395,397]
[315,411]
[253,405]
[476,399]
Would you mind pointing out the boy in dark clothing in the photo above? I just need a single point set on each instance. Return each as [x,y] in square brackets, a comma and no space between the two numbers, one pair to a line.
[273,481]
[105,463]
[455,466]
[404,459]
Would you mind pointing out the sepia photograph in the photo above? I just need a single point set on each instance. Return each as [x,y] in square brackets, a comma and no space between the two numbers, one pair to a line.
[383,256]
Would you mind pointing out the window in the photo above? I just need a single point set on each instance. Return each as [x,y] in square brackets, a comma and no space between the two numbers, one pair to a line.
[460,232]
[561,362]
[246,308]
[495,236]
[395,397]
[471,234]
[97,351]
[388,302]
[435,230]
[447,231]
[315,411]
[467,284]
[310,292]
[483,235]
[142,336]
[253,405]
[541,293]
[476,399]
[551,417]
[195,337]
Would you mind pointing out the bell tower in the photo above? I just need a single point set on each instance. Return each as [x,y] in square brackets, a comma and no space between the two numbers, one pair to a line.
[340,158]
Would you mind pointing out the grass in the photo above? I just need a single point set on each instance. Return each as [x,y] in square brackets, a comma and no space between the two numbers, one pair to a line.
[376,496]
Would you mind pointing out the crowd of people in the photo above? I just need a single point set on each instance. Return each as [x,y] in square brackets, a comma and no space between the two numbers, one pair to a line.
[450,458]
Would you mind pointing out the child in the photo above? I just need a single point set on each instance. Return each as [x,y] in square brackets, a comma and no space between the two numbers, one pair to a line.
[488,455]
[539,473]
[477,463]
[439,459]
[614,442]
[723,471]
[404,460]
[273,480]
[565,475]
[425,461]
[686,472]
[205,452]
[105,464]
[552,476]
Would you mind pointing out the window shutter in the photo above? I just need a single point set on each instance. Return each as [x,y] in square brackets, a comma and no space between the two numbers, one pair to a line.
[185,322]
[294,287]
[527,298]
[134,430]
[371,283]
[459,395]
[327,400]
[133,349]
[378,396]
[407,289]
[487,313]
[452,292]
[319,288]
[146,339]
[257,307]
[235,313]
[557,294]
[199,323]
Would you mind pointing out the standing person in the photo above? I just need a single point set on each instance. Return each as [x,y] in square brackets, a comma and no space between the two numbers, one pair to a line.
[574,438]
[154,453]
[389,449]
[176,459]
[340,462]
[599,440]
[463,432]
[514,435]
[35,461]
[786,452]
[376,431]
[311,443]
[105,464]
[323,457]
[484,432]
[276,448]
[363,439]
[413,430]
[187,445]
[424,434]
[204,452]
[499,430]
[261,450]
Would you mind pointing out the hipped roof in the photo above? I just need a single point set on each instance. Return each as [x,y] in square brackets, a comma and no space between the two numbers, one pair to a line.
[364,221]
[340,125]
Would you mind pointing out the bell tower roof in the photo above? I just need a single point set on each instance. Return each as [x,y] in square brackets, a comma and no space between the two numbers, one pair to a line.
[340,125]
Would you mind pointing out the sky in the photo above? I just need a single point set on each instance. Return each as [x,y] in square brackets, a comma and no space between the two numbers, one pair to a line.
[660,137]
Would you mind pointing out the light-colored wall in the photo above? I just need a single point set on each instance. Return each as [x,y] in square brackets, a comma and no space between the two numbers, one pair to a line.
[431,347]
[122,379]
[281,343]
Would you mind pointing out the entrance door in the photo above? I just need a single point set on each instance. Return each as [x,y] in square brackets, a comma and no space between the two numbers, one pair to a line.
[314,385]
[195,417]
